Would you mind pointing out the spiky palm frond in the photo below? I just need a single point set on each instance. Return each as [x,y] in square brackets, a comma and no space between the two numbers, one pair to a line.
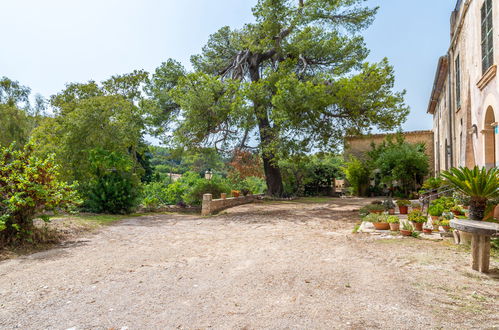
[477,183]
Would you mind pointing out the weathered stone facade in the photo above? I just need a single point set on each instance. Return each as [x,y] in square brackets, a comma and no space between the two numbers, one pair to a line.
[465,97]
[359,145]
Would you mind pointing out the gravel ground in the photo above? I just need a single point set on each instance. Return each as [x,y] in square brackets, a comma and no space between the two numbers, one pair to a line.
[268,265]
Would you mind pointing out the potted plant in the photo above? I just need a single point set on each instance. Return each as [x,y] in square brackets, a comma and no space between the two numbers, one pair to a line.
[378,221]
[403,205]
[479,184]
[445,224]
[417,219]
[235,193]
[394,223]
[406,229]
[389,206]
[436,211]
[428,230]
[457,210]
[375,208]
[416,206]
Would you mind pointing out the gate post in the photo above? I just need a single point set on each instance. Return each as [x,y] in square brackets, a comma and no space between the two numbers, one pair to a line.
[206,208]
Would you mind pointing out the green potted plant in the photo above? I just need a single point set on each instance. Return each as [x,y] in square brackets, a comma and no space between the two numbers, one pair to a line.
[406,229]
[394,223]
[389,206]
[378,221]
[479,184]
[416,206]
[417,219]
[375,208]
[445,224]
[436,211]
[457,210]
[403,205]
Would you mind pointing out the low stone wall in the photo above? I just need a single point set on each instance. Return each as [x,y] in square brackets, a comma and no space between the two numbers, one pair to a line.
[212,206]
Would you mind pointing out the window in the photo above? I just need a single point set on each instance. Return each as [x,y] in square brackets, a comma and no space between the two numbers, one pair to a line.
[458,83]
[487,36]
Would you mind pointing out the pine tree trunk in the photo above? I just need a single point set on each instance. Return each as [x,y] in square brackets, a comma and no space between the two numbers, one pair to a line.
[272,171]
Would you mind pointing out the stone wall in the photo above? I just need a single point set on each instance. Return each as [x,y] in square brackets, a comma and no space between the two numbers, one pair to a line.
[212,206]
[359,145]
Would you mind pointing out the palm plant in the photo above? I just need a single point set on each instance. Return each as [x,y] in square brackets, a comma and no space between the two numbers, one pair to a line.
[478,183]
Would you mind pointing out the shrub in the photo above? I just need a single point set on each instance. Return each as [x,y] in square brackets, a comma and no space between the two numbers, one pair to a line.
[28,187]
[114,187]
[252,184]
[216,186]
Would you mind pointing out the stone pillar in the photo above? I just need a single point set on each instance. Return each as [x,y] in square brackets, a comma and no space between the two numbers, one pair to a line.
[206,208]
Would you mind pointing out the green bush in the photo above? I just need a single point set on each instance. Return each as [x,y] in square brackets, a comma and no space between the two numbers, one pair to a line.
[253,184]
[114,187]
[216,186]
[175,192]
[357,174]
[28,187]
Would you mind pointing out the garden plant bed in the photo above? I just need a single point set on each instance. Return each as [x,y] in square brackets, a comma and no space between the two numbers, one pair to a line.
[264,265]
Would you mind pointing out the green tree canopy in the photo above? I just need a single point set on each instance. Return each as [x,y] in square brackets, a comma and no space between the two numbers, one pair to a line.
[293,81]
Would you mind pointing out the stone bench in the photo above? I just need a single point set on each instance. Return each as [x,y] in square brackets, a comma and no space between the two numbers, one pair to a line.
[481,232]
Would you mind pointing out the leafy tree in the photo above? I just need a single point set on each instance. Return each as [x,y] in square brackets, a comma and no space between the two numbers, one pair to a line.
[403,162]
[18,118]
[28,186]
[294,80]
[358,174]
[91,116]
[310,175]
[245,164]
[113,187]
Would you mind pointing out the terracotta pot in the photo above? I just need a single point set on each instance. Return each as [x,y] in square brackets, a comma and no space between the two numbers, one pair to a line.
[223,196]
[445,228]
[235,194]
[405,232]
[403,209]
[391,211]
[457,213]
[434,217]
[395,226]
[418,226]
[381,225]
[427,231]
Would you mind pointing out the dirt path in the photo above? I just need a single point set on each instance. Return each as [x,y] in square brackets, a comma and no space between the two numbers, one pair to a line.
[286,265]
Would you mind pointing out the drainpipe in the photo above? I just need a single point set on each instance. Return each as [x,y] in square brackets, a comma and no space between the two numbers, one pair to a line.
[451,113]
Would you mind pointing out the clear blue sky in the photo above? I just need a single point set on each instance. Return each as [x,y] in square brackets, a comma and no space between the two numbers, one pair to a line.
[46,44]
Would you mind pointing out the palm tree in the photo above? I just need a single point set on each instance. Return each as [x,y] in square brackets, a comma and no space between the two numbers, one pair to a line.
[479,184]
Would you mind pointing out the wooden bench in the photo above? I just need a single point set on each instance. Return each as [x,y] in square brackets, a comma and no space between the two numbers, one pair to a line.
[480,242]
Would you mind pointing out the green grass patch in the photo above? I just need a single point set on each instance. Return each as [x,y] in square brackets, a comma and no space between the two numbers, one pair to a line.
[98,219]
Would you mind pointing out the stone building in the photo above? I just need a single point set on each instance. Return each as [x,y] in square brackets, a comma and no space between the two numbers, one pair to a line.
[465,97]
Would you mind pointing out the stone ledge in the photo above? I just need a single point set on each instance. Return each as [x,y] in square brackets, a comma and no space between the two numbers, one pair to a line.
[487,77]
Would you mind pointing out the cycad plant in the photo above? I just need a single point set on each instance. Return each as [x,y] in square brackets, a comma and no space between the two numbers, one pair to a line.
[479,184]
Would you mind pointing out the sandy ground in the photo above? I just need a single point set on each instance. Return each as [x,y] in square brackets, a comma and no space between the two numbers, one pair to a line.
[279,266]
